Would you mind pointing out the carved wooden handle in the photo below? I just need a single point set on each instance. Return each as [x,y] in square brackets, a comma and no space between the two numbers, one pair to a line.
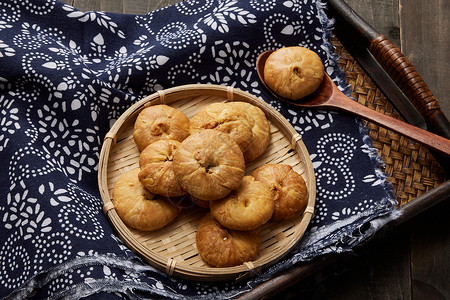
[404,75]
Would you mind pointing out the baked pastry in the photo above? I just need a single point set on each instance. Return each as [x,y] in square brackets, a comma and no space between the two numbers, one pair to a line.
[137,207]
[225,118]
[260,129]
[293,72]
[209,164]
[288,188]
[246,208]
[222,247]
[156,174]
[160,122]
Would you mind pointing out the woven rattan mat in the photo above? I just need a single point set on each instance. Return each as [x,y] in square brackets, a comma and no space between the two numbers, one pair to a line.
[411,168]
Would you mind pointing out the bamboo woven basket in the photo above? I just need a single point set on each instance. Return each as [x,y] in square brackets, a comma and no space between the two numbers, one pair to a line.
[172,249]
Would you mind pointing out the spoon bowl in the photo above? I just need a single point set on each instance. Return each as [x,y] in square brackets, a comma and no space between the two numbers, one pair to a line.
[328,95]
[318,98]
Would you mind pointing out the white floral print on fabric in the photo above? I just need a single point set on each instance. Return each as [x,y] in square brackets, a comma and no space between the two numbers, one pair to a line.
[100,17]
[68,75]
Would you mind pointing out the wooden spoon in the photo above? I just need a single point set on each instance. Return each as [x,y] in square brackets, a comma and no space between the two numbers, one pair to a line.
[329,96]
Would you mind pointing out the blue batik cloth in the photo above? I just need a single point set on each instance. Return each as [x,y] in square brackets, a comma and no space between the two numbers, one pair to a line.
[66,76]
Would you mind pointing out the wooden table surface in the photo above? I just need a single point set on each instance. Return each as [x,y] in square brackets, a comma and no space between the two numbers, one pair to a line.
[413,261]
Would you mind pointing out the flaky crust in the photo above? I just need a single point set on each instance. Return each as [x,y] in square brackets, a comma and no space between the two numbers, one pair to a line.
[246,208]
[221,247]
[209,164]
[225,118]
[293,72]
[137,207]
[260,129]
[288,188]
[157,174]
[160,122]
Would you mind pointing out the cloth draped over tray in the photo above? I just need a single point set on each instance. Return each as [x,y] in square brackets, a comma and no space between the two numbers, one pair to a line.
[67,75]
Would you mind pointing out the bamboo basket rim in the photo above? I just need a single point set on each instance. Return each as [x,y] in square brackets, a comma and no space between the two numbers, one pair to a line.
[169,264]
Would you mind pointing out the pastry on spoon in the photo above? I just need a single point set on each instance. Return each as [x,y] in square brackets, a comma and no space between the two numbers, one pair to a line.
[293,72]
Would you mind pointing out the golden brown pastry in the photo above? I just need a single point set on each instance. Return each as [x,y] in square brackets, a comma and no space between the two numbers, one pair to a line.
[260,129]
[288,188]
[293,72]
[137,207]
[222,247]
[156,174]
[225,118]
[246,208]
[160,122]
[209,164]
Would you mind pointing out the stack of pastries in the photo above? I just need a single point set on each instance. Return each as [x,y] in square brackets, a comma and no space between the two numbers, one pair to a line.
[204,159]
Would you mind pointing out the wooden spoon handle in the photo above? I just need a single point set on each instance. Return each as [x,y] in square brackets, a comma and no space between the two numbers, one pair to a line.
[434,141]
